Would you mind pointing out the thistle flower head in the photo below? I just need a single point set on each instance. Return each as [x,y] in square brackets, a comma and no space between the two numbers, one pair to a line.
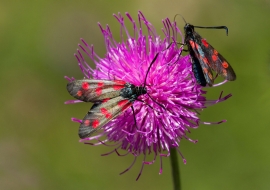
[161,117]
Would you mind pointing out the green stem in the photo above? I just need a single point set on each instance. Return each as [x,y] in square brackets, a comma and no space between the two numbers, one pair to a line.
[175,169]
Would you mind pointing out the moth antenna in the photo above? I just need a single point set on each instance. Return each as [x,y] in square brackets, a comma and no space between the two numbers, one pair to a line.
[180,16]
[206,27]
[214,27]
[149,68]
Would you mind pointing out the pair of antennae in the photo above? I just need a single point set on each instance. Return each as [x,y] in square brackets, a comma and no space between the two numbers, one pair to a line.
[205,27]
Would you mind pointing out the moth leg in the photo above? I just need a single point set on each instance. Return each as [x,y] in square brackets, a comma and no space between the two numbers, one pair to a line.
[135,122]
[156,102]
[151,106]
[178,43]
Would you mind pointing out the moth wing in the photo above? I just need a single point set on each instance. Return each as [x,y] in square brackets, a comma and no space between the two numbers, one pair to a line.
[101,113]
[197,69]
[89,90]
[217,62]
[195,45]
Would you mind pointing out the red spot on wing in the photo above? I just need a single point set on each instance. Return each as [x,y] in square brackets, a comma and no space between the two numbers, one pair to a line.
[100,84]
[192,44]
[85,85]
[214,57]
[215,52]
[105,100]
[224,72]
[99,88]
[205,43]
[205,70]
[105,112]
[79,93]
[225,65]
[117,87]
[86,122]
[119,82]
[205,60]
[98,91]
[124,104]
[197,46]
[95,123]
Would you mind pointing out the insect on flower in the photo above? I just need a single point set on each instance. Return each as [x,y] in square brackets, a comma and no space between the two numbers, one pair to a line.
[141,63]
[110,99]
[205,58]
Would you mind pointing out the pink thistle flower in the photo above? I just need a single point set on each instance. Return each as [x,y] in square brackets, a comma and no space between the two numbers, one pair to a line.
[170,107]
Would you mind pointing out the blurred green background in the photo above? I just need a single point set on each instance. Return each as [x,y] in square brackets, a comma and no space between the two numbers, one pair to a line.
[39,146]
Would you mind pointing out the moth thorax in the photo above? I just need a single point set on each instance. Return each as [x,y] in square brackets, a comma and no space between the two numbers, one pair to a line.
[132,92]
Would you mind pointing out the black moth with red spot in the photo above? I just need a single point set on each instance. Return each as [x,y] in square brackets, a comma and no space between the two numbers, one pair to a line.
[205,58]
[110,99]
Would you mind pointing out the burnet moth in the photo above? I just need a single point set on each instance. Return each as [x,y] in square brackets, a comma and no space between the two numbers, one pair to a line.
[110,98]
[205,58]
